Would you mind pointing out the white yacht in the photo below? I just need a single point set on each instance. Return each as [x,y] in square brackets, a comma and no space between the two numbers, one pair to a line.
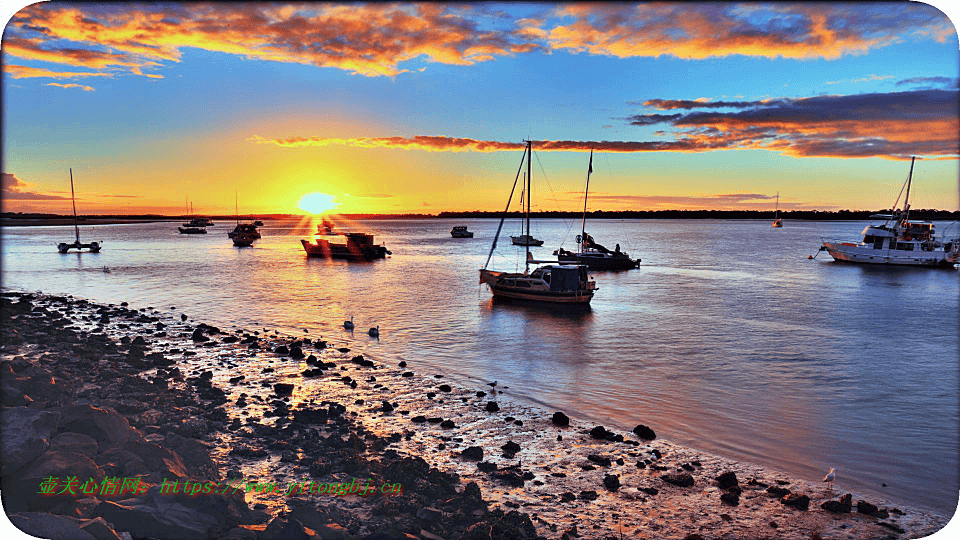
[895,239]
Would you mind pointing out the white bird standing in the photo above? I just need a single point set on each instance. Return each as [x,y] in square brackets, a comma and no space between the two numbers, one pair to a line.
[375,332]
[830,477]
[348,324]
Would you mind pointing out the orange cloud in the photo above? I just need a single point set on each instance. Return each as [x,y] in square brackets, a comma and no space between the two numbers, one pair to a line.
[364,39]
[377,39]
[25,72]
[705,30]
[85,88]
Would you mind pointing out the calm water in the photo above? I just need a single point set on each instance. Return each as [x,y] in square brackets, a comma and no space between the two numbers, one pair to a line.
[727,338]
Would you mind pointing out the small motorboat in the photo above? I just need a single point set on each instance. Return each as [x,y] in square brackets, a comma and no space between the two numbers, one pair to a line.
[460,231]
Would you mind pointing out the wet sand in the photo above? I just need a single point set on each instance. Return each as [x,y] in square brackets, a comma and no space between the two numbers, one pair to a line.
[573,480]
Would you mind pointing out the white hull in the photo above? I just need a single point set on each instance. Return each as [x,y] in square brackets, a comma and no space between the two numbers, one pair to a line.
[866,254]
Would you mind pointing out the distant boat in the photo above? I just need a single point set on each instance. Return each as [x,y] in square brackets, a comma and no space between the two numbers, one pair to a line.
[460,231]
[592,254]
[244,234]
[63,247]
[525,239]
[258,223]
[326,228]
[777,222]
[898,241]
[356,247]
[553,284]
[195,226]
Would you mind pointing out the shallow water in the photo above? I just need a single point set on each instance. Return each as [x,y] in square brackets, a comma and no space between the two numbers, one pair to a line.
[727,338]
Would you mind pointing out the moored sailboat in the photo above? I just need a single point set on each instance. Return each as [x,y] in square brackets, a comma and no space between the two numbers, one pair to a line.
[244,234]
[64,247]
[592,254]
[777,222]
[898,240]
[560,283]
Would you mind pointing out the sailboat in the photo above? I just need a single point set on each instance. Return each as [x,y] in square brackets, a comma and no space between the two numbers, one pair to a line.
[897,241]
[560,283]
[525,239]
[592,254]
[64,247]
[777,222]
[243,234]
[195,226]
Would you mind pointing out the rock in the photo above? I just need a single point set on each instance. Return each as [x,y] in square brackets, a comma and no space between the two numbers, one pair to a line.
[492,406]
[567,497]
[473,453]
[447,424]
[727,480]
[863,507]
[283,389]
[644,433]
[104,425]
[730,498]
[44,525]
[386,407]
[599,432]
[429,514]
[649,490]
[284,528]
[445,388]
[588,495]
[603,461]
[801,502]
[778,492]
[71,473]
[560,419]
[75,442]
[843,506]
[100,529]
[26,435]
[678,479]
[198,336]
[170,516]
[611,482]
[510,449]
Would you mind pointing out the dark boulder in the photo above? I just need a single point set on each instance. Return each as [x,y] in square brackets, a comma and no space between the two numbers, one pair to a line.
[611,482]
[843,506]
[473,453]
[727,480]
[644,433]
[560,419]
[678,479]
[801,502]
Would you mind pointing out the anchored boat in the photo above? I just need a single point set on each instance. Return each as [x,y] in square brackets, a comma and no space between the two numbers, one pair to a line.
[593,255]
[355,247]
[560,283]
[460,231]
[895,239]
[64,247]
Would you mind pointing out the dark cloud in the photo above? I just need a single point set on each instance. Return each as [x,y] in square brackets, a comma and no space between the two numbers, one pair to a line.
[12,188]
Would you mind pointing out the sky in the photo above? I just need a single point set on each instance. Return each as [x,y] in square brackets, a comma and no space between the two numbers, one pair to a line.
[422,108]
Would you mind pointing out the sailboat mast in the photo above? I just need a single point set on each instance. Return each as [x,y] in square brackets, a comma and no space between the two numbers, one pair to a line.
[526,261]
[73,198]
[236,205]
[586,191]
[906,200]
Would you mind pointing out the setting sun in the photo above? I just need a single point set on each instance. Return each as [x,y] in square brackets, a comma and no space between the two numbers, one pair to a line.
[317,203]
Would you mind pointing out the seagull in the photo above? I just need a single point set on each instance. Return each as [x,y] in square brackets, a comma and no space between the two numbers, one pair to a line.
[830,477]
[348,324]
[375,332]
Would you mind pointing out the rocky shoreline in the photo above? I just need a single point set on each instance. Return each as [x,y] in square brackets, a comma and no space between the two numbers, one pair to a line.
[111,412]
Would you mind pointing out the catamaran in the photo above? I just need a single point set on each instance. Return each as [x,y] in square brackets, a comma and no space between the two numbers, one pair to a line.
[64,247]
[560,283]
[897,240]
[592,254]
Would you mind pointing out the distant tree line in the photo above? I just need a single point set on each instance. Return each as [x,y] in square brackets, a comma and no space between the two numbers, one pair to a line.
[812,215]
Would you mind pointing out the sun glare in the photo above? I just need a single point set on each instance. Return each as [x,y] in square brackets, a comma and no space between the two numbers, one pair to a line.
[317,203]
